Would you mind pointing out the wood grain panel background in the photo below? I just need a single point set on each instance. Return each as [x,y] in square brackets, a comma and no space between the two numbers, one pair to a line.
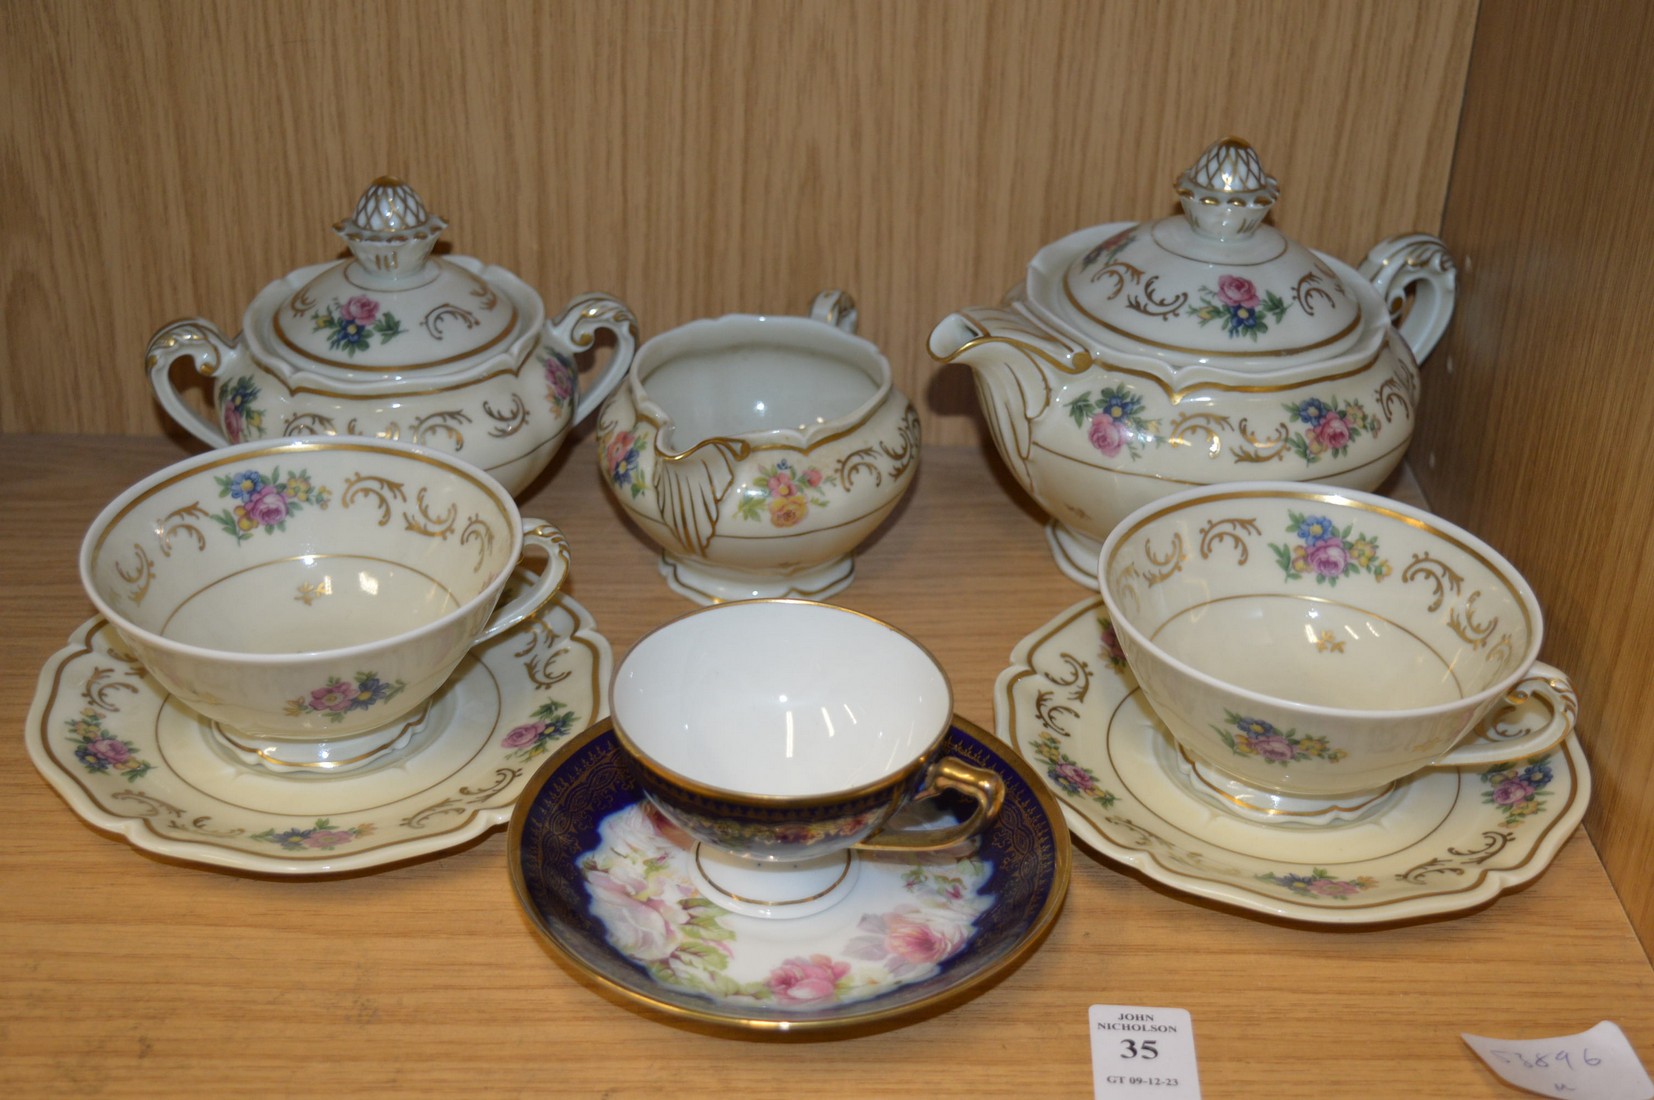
[1536,425]
[163,158]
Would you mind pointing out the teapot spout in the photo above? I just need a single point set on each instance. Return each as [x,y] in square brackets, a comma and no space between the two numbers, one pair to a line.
[1015,362]
[953,336]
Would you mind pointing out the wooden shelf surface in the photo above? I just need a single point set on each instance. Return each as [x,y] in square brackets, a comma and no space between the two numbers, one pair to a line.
[123,974]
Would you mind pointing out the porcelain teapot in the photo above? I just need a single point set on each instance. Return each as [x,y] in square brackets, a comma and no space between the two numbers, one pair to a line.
[1140,358]
[400,343]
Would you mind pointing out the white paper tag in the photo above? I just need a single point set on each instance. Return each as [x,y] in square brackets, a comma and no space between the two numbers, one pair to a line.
[1143,1053]
[1594,1065]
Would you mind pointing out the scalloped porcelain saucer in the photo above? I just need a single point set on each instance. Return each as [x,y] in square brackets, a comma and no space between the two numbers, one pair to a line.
[608,884]
[128,757]
[1445,840]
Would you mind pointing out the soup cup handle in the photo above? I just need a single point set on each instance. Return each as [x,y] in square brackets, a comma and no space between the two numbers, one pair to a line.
[1553,688]
[536,533]
[947,774]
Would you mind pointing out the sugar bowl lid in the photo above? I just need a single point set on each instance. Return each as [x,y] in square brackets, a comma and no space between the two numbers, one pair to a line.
[393,307]
[1213,285]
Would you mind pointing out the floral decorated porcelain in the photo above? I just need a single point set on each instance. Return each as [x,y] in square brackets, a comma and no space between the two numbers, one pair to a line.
[400,343]
[759,451]
[1444,841]
[1308,647]
[1139,358]
[309,595]
[784,771]
[608,883]
[129,758]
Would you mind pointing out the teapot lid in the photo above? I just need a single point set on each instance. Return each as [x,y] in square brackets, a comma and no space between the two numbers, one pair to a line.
[1213,285]
[393,306]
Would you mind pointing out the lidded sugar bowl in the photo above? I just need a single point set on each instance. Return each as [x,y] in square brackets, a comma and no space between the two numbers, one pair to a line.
[398,342]
[1140,358]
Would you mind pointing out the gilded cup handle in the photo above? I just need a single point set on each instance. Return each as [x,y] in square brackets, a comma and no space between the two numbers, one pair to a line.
[537,533]
[1554,690]
[201,343]
[950,773]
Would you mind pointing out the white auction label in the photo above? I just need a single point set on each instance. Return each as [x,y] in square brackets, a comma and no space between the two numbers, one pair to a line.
[1143,1053]
[1594,1065]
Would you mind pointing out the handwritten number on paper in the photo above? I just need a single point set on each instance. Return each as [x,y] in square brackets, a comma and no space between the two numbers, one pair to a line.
[1598,1064]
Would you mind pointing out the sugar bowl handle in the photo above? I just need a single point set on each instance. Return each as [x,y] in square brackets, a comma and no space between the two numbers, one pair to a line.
[537,533]
[836,308]
[949,773]
[1419,263]
[1551,687]
[575,329]
[200,342]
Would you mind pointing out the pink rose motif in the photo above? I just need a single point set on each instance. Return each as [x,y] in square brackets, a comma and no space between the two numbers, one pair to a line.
[812,477]
[360,309]
[796,834]
[1332,888]
[803,981]
[916,942]
[1333,432]
[233,424]
[667,829]
[1072,775]
[1272,747]
[639,925]
[336,696]
[1328,558]
[1108,435]
[267,507]
[523,735]
[781,485]
[109,750]
[1111,645]
[560,379]
[328,838]
[1512,791]
[1236,291]
[1117,240]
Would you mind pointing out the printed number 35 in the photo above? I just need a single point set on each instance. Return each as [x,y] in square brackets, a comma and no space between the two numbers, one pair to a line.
[1144,1050]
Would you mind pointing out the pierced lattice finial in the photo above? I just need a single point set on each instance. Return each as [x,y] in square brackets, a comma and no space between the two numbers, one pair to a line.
[1227,193]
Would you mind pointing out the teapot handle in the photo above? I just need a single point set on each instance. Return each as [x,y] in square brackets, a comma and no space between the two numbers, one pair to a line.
[1419,263]
[200,342]
[581,320]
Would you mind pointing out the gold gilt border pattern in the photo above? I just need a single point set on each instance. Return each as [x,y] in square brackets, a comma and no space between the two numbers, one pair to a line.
[1135,833]
[423,518]
[1446,583]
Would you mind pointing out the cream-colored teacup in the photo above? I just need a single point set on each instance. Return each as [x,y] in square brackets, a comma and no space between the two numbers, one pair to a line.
[1323,643]
[310,595]
[779,734]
